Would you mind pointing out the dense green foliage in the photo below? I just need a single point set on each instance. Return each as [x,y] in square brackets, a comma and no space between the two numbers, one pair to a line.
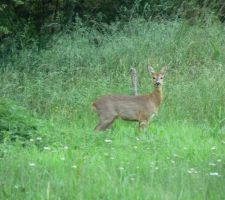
[24,21]
[181,154]
[16,124]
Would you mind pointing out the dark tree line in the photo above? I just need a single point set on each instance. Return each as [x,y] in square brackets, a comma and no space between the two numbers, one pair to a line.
[32,18]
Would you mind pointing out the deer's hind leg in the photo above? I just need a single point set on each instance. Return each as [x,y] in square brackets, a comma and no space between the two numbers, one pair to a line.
[105,122]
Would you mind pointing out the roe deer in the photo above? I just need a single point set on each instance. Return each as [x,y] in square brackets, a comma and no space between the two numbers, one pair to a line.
[131,108]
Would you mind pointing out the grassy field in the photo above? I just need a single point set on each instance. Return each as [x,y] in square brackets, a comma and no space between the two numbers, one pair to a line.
[181,155]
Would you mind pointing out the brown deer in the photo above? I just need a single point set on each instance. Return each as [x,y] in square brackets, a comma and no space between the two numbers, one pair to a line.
[130,108]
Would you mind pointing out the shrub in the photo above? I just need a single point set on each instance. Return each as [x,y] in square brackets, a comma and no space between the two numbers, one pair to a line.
[16,123]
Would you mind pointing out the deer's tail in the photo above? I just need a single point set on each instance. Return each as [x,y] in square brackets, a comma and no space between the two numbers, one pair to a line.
[94,106]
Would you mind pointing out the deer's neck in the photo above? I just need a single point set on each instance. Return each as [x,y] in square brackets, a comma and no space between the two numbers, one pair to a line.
[157,95]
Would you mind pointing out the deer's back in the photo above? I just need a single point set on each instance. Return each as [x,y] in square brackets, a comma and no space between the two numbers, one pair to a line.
[127,107]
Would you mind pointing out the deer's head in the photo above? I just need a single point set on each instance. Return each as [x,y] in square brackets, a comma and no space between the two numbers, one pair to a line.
[157,77]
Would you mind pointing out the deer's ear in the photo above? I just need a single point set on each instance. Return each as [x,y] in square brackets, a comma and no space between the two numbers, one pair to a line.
[151,70]
[163,70]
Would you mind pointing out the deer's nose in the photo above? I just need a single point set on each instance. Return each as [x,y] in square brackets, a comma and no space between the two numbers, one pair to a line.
[157,82]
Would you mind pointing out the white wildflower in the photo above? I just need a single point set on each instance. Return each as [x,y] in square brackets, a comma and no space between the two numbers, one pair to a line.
[135,147]
[31,140]
[74,166]
[219,160]
[31,164]
[65,147]
[46,148]
[214,174]
[39,138]
[213,148]
[62,158]
[192,171]
[108,141]
[121,168]
[112,158]
[132,178]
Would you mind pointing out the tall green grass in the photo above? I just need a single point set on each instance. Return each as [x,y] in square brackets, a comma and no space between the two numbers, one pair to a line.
[83,64]
[180,156]
[171,162]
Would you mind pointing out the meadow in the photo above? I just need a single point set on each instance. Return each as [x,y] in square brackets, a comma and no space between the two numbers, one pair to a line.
[181,155]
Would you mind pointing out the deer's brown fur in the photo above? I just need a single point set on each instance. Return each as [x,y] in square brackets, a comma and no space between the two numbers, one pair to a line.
[130,108]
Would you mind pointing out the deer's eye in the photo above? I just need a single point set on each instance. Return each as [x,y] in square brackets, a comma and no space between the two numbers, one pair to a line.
[153,77]
[161,77]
